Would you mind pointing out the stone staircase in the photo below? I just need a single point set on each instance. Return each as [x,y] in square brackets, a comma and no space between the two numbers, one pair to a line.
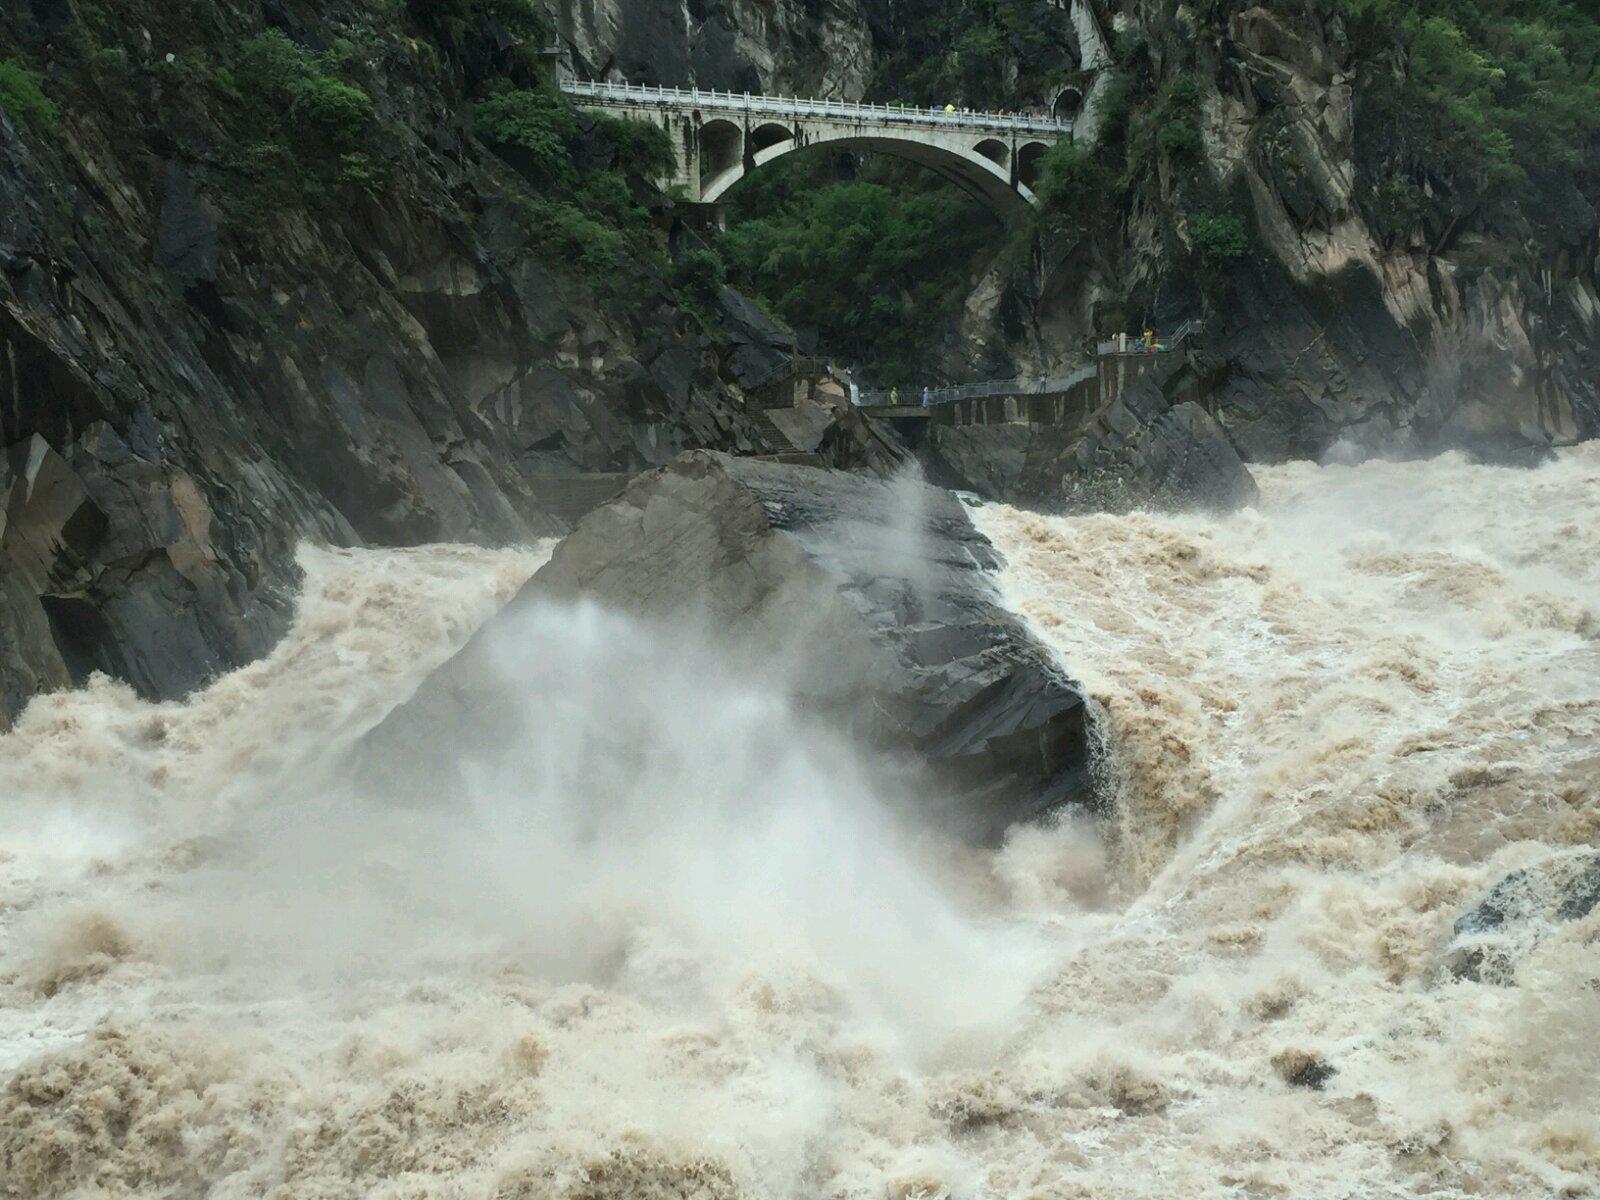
[768,428]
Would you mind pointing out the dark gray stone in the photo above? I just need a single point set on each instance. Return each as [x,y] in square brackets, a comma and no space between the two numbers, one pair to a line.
[187,236]
[1140,451]
[1493,936]
[869,600]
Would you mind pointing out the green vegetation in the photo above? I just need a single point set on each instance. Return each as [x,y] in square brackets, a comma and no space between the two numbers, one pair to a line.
[642,148]
[1170,126]
[451,20]
[567,230]
[280,126]
[591,220]
[1218,237]
[537,130]
[1478,110]
[303,129]
[22,96]
[1073,180]
[699,277]
[874,270]
[537,126]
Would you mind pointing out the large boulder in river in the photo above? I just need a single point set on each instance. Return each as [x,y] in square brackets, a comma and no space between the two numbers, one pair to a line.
[871,600]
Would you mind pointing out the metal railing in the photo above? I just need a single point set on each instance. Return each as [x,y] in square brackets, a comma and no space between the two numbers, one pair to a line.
[790,106]
[913,398]
[1136,344]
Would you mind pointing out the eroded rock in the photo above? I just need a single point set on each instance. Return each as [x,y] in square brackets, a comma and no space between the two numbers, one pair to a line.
[1519,912]
[870,601]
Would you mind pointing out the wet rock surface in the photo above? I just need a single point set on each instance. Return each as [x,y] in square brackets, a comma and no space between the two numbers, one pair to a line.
[871,599]
[781,47]
[1151,447]
[1493,936]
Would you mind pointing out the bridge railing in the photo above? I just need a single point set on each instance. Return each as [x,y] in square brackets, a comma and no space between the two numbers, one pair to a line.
[791,106]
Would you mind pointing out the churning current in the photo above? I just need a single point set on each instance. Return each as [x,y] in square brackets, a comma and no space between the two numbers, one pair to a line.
[674,946]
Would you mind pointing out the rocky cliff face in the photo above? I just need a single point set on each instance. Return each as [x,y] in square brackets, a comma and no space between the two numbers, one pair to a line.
[191,383]
[783,47]
[1328,328]
[1338,333]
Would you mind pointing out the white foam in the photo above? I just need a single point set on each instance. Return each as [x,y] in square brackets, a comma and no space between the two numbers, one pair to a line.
[667,943]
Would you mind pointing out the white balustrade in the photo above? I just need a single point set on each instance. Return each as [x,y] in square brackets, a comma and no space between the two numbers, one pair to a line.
[626,93]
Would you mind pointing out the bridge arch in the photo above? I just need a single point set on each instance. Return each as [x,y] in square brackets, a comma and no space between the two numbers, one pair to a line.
[1030,163]
[721,146]
[720,137]
[763,137]
[996,151]
[964,161]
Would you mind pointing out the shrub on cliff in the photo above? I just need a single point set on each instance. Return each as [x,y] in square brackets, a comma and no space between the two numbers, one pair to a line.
[295,111]
[698,278]
[22,96]
[643,148]
[565,230]
[537,125]
[1072,181]
[1218,237]
[1169,127]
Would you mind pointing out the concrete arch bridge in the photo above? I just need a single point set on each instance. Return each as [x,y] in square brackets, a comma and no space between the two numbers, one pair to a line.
[720,137]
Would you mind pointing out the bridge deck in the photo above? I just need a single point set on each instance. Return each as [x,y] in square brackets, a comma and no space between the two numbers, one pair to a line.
[631,94]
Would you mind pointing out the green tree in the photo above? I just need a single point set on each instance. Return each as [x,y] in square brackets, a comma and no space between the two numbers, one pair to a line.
[1218,237]
[1470,110]
[874,272]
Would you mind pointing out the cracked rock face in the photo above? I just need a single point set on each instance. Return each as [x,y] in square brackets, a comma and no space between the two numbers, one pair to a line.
[184,399]
[1153,446]
[876,597]
[779,47]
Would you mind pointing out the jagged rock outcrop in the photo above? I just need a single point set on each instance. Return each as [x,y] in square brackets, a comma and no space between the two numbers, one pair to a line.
[1519,912]
[1331,327]
[214,379]
[780,47]
[1153,446]
[868,599]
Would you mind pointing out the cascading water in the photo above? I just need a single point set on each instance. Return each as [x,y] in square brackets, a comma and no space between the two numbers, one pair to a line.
[669,945]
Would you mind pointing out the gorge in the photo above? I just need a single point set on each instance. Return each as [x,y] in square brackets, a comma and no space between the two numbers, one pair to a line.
[483,713]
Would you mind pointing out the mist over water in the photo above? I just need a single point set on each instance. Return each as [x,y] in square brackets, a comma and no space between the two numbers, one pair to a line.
[669,941]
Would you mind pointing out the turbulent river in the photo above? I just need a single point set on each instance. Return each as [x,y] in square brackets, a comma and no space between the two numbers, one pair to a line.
[677,949]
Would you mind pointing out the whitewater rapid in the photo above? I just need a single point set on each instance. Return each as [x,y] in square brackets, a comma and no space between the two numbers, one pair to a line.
[671,945]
